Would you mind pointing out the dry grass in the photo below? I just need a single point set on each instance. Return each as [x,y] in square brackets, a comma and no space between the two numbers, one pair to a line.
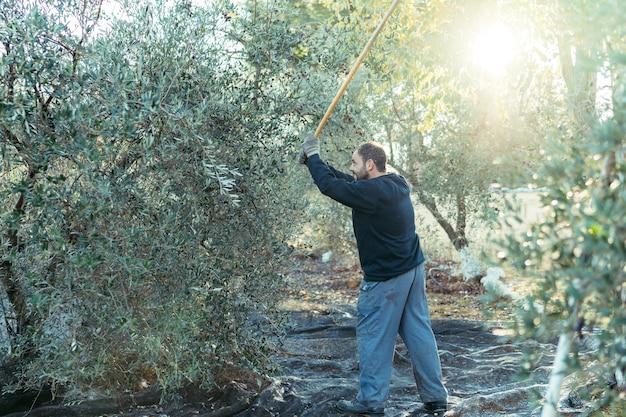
[317,285]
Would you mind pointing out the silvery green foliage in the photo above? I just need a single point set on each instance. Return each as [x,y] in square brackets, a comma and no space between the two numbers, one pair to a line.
[576,257]
[145,151]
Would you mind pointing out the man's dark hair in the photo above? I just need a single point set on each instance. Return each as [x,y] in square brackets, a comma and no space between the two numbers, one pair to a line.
[375,152]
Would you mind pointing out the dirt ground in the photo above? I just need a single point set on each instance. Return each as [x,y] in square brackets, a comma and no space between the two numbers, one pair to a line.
[318,363]
[449,296]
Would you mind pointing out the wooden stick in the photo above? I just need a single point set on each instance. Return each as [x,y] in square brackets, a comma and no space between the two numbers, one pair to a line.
[343,87]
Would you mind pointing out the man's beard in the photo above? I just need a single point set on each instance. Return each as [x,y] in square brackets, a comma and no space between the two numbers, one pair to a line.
[361,175]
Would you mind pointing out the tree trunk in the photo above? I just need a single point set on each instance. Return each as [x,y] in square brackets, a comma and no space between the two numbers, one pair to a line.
[14,291]
[456,235]
[559,368]
[558,372]
[581,83]
[470,266]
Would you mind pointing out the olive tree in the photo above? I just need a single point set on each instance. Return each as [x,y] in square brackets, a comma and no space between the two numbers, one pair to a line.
[575,257]
[453,131]
[146,148]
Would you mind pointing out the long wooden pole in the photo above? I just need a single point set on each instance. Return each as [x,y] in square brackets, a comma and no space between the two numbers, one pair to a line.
[343,87]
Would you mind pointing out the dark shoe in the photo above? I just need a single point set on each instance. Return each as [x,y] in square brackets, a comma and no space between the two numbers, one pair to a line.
[354,407]
[434,409]
[429,413]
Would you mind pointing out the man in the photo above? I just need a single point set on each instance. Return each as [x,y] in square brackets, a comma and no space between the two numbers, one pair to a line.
[392,294]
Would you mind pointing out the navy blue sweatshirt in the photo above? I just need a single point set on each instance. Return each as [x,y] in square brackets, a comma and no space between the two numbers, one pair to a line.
[382,217]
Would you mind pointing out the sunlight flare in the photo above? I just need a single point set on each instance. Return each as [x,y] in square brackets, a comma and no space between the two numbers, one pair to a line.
[494,49]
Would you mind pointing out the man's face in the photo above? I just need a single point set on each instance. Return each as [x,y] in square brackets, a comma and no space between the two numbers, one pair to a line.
[358,167]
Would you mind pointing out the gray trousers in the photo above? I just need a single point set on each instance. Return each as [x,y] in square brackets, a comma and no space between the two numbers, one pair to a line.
[386,309]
